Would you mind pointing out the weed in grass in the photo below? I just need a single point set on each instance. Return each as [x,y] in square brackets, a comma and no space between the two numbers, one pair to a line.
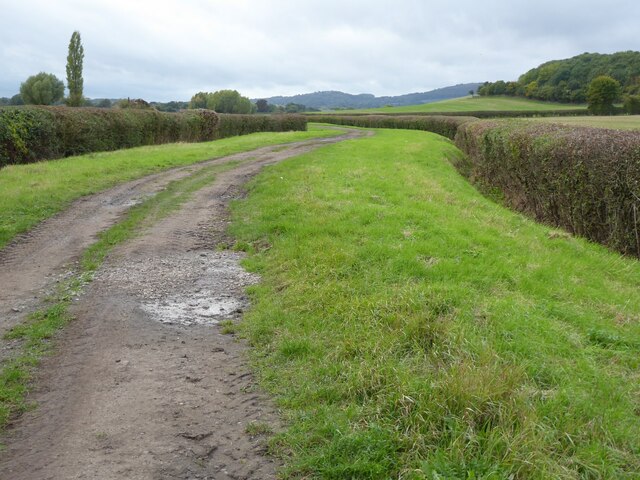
[228,327]
[258,428]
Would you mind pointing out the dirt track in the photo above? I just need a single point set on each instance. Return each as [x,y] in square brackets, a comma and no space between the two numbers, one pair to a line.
[143,385]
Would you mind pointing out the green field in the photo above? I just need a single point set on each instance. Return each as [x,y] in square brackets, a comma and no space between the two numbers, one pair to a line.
[620,122]
[31,193]
[475,104]
[411,328]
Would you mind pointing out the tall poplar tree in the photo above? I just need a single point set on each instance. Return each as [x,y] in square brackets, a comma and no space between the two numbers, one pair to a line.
[74,70]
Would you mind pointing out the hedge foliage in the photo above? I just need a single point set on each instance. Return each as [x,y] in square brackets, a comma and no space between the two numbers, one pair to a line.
[29,134]
[585,180]
[446,126]
[231,125]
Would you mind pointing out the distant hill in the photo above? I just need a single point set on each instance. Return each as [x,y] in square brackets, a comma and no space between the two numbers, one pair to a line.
[329,100]
[567,80]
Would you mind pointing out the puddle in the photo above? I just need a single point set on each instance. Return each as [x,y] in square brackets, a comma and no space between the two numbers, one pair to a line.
[194,310]
[193,288]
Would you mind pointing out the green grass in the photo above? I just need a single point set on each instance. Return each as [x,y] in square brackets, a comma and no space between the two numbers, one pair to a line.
[475,104]
[411,328]
[32,193]
[618,122]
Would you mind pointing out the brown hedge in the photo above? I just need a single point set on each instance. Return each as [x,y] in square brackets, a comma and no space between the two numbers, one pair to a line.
[446,126]
[585,180]
[29,134]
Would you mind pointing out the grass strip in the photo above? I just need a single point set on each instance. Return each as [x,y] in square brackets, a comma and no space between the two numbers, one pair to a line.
[32,193]
[411,328]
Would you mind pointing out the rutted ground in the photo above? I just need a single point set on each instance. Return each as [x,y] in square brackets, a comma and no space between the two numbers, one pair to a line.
[143,384]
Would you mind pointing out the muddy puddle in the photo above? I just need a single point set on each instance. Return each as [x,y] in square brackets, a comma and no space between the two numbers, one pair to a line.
[193,288]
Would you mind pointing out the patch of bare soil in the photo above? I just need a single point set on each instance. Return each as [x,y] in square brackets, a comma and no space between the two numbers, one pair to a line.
[144,385]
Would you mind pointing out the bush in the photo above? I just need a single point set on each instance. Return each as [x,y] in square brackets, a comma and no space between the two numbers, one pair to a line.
[29,134]
[42,89]
[601,94]
[585,180]
[446,126]
[632,104]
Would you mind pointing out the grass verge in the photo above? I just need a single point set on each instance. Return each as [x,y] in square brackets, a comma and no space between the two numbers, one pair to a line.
[411,328]
[32,193]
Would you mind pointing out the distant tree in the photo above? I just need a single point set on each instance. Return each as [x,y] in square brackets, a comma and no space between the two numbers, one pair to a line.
[223,101]
[5,101]
[483,89]
[16,100]
[42,89]
[199,100]
[472,93]
[229,101]
[172,106]
[75,82]
[603,91]
[531,89]
[511,88]
[295,108]
[135,104]
[632,104]
[104,103]
[262,106]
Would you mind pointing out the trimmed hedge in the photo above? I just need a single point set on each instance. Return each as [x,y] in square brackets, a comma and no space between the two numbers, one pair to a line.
[585,180]
[29,134]
[231,125]
[443,125]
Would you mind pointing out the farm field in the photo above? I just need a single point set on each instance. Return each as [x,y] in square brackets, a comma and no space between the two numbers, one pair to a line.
[34,192]
[620,122]
[468,104]
[410,328]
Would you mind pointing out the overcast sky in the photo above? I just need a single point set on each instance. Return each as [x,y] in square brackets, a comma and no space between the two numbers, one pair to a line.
[169,50]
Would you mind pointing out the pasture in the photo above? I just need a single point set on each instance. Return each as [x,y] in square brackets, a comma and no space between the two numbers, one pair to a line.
[475,104]
[617,122]
[411,328]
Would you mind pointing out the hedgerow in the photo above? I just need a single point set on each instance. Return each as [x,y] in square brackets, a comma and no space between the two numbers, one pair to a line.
[231,125]
[446,126]
[585,180]
[29,134]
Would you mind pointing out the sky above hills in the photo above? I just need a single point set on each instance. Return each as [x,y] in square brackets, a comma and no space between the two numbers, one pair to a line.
[168,50]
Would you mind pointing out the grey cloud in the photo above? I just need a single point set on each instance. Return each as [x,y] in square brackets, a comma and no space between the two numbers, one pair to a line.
[169,50]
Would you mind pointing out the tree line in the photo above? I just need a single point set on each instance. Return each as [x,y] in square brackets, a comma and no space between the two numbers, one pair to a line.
[574,80]
[47,89]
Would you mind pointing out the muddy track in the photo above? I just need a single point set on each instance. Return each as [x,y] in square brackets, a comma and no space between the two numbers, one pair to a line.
[32,264]
[144,384]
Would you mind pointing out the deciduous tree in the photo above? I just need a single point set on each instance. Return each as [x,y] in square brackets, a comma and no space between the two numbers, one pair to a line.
[603,91]
[42,89]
